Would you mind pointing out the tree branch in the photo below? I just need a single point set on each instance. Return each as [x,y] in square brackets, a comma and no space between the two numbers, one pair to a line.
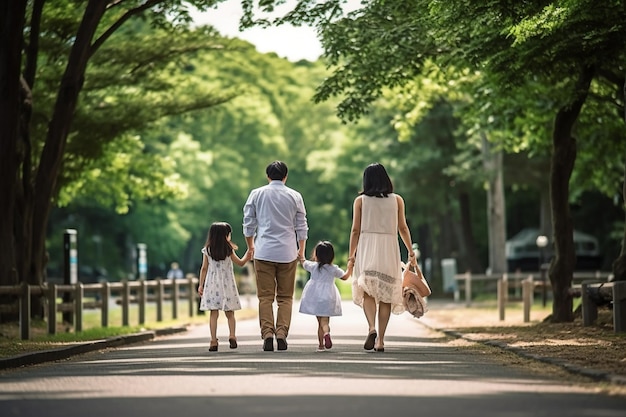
[130,13]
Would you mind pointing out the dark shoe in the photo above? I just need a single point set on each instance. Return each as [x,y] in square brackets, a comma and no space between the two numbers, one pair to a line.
[371,339]
[268,344]
[327,342]
[380,349]
[233,343]
[282,344]
[213,348]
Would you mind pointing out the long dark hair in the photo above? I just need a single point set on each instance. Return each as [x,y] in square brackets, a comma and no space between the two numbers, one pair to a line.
[376,181]
[324,253]
[217,244]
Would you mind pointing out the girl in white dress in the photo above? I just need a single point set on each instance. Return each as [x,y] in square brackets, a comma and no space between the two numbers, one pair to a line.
[217,287]
[320,296]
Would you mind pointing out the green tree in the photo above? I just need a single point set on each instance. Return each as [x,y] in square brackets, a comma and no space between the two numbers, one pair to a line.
[560,46]
[69,36]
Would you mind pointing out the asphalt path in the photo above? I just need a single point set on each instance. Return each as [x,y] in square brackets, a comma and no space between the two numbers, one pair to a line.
[421,372]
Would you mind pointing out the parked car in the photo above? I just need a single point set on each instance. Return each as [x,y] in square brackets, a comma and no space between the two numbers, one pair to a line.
[523,254]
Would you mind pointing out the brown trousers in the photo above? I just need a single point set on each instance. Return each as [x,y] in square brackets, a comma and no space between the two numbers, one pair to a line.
[275,280]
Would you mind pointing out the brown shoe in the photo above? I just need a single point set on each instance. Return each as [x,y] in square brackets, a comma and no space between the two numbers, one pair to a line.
[233,343]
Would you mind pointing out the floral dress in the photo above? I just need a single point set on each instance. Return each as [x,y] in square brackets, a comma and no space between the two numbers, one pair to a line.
[220,289]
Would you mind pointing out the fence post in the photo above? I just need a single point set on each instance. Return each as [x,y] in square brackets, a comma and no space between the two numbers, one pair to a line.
[468,288]
[619,306]
[78,306]
[527,291]
[590,310]
[25,312]
[192,298]
[159,300]
[143,296]
[503,289]
[175,299]
[125,303]
[106,297]
[52,309]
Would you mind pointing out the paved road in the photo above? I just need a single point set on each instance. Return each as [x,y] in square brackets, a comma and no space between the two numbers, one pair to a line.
[420,373]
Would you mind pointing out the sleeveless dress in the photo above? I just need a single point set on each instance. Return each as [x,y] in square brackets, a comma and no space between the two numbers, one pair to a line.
[377,268]
[220,289]
[320,296]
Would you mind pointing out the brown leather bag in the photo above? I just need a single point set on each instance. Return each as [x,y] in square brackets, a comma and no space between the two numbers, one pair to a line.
[415,279]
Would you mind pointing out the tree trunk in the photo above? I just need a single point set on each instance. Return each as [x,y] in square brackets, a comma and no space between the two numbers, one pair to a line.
[496,219]
[469,242]
[56,138]
[619,265]
[12,15]
[563,158]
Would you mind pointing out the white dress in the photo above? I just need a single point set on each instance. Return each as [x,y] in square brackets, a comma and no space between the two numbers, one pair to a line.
[220,289]
[377,268]
[320,296]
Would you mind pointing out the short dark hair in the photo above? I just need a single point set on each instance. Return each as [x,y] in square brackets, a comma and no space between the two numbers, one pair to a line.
[376,181]
[277,170]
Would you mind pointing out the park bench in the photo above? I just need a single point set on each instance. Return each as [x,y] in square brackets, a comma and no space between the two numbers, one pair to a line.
[596,294]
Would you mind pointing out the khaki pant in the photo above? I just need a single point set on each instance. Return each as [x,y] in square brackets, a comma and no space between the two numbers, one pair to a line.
[275,280]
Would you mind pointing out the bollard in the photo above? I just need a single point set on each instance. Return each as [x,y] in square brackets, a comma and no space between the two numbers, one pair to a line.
[527,297]
[192,298]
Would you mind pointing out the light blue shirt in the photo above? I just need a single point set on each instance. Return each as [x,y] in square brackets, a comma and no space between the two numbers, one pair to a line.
[277,215]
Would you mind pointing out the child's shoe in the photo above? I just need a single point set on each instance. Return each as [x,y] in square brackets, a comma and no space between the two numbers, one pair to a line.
[327,342]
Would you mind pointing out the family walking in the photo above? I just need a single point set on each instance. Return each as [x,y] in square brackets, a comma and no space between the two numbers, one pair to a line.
[276,230]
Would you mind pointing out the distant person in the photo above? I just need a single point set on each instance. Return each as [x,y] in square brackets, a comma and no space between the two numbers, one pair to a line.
[175,272]
[320,296]
[378,216]
[276,230]
[217,287]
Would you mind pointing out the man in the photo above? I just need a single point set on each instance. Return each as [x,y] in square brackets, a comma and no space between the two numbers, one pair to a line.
[276,230]
[175,272]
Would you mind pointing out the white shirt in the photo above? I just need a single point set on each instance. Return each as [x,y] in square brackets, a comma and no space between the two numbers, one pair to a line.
[277,215]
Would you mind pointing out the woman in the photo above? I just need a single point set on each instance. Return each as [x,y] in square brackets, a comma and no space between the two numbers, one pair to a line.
[378,216]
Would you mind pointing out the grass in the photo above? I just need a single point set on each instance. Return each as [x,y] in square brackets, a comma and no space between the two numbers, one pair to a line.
[11,344]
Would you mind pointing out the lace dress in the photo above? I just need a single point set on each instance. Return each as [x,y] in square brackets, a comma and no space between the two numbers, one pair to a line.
[377,268]
[320,296]
[220,289]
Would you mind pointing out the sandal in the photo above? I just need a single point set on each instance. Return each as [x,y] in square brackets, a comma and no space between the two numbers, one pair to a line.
[371,339]
[213,347]
[233,343]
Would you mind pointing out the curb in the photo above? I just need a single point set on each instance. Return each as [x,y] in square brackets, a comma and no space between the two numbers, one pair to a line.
[596,375]
[52,355]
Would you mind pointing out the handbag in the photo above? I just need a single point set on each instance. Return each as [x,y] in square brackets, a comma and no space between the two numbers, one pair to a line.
[415,279]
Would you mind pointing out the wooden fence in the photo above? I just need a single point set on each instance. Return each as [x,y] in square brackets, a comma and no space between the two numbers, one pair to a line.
[70,299]
[526,283]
